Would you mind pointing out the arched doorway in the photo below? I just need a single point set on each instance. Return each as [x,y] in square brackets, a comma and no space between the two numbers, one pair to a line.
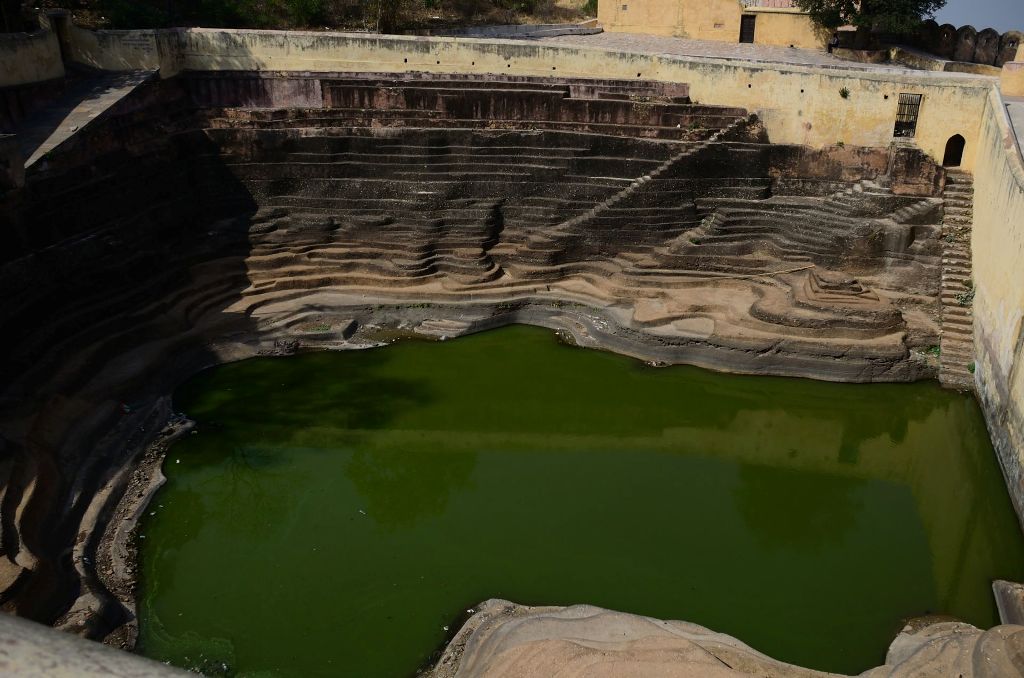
[954,151]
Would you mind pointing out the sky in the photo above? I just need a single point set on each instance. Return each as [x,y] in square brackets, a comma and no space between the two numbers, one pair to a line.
[1002,15]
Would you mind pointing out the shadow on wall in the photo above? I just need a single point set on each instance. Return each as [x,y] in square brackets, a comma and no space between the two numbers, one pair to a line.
[123,252]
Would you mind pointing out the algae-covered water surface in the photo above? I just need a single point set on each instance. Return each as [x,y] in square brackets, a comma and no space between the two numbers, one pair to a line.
[337,513]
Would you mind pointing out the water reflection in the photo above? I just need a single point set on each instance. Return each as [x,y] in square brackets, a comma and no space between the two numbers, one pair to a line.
[293,403]
[402,486]
[787,510]
[350,505]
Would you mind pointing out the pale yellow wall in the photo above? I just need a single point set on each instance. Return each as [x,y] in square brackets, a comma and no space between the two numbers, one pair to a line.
[709,20]
[788,27]
[29,57]
[655,17]
[1012,78]
[703,20]
[998,270]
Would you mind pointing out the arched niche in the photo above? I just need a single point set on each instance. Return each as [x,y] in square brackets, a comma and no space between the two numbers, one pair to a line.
[954,154]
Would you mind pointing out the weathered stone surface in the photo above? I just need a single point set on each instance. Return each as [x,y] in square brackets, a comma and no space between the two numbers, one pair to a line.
[966,42]
[1008,45]
[1010,601]
[503,639]
[954,649]
[986,49]
[947,41]
[30,650]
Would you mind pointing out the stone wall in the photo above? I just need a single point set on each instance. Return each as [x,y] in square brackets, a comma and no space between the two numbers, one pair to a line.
[27,58]
[798,104]
[156,50]
[998,253]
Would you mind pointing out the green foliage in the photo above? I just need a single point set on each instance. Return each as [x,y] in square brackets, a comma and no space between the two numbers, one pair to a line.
[966,298]
[218,13]
[590,9]
[131,14]
[971,367]
[845,93]
[934,351]
[884,15]
[387,16]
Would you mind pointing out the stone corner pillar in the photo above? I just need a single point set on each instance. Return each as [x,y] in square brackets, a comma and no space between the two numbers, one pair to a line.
[1011,81]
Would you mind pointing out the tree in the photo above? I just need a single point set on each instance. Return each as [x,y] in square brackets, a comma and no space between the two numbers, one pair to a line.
[888,16]
[10,16]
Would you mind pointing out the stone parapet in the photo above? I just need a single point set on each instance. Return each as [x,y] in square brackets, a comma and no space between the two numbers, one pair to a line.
[27,58]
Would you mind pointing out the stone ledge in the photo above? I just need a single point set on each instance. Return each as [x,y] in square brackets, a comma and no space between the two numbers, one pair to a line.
[503,639]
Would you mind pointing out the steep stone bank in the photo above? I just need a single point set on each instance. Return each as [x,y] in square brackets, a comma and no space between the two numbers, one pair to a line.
[505,639]
[212,218]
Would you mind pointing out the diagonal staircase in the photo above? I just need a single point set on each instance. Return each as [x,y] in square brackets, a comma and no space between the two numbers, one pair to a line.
[956,345]
[691,151]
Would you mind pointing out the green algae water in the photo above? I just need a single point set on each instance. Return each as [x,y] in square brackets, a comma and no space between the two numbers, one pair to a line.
[338,513]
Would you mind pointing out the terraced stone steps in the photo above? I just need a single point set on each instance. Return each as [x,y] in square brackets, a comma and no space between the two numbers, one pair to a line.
[675,125]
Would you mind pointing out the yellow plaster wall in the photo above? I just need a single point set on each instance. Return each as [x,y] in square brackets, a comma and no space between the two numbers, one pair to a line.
[709,20]
[788,27]
[1011,80]
[998,269]
[29,57]
[654,17]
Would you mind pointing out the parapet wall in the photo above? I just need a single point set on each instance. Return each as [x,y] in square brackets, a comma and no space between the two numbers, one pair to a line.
[27,58]
[798,104]
[150,50]
[998,264]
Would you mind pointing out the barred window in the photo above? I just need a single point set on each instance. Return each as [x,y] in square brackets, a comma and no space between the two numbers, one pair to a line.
[906,115]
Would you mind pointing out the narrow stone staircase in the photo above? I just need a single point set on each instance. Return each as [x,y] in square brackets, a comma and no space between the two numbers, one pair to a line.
[691,151]
[956,346]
